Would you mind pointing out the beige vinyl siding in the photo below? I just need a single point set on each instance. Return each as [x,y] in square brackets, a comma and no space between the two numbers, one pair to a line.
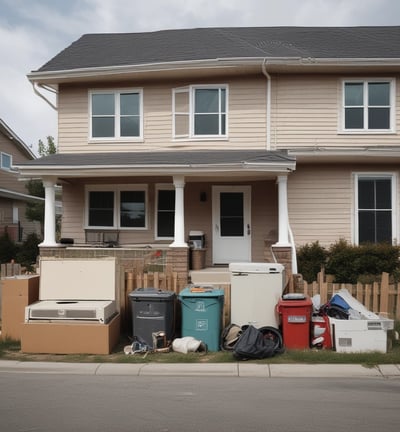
[320,204]
[306,112]
[246,116]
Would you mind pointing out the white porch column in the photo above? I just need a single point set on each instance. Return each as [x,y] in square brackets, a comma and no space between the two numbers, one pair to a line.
[283,225]
[179,237]
[49,214]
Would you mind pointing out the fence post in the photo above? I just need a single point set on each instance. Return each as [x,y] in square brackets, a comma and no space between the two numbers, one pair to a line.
[384,301]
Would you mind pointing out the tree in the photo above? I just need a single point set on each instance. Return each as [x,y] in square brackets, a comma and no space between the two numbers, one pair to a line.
[35,210]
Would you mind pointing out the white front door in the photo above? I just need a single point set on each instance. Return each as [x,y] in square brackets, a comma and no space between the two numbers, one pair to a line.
[231,224]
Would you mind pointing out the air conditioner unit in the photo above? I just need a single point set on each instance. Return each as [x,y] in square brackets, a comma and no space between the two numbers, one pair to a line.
[49,310]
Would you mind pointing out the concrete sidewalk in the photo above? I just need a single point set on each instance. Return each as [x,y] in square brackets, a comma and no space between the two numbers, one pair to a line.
[239,369]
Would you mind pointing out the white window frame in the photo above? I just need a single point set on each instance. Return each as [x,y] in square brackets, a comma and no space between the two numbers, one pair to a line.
[392,106]
[191,96]
[160,186]
[116,215]
[4,156]
[375,175]
[117,115]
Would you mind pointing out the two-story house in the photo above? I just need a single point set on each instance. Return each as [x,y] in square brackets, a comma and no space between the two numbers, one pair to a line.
[262,138]
[13,193]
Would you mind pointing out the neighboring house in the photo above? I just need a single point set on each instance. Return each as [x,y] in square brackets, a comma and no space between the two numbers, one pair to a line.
[13,193]
[263,138]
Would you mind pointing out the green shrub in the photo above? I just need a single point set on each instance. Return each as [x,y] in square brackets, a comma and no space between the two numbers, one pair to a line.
[8,249]
[310,259]
[29,251]
[349,263]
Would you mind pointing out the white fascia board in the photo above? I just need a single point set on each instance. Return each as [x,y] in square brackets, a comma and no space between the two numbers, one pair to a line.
[142,68]
[19,196]
[99,170]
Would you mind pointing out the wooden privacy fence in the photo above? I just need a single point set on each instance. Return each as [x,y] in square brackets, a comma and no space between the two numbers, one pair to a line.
[379,297]
[166,282]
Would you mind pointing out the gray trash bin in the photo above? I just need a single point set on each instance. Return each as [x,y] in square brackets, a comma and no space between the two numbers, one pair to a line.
[153,311]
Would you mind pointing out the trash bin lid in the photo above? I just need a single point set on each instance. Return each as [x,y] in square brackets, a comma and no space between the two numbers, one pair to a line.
[201,291]
[253,267]
[151,293]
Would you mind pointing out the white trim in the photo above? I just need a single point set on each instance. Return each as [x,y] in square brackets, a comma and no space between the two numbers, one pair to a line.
[117,115]
[394,190]
[116,189]
[366,131]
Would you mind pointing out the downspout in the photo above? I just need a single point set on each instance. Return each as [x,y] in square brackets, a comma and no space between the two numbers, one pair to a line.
[268,147]
[268,119]
[43,97]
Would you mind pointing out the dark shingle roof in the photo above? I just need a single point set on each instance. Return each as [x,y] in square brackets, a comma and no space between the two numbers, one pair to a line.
[130,49]
[169,158]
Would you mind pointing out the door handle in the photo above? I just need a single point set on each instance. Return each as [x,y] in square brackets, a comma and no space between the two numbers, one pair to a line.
[217,227]
[248,229]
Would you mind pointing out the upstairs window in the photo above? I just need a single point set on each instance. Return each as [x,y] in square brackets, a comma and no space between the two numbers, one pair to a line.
[116,115]
[200,111]
[375,208]
[6,161]
[368,106]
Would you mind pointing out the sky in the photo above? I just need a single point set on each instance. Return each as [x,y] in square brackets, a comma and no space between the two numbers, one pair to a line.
[34,31]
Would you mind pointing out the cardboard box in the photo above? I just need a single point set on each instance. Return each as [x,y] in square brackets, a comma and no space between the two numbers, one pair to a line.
[70,337]
[360,335]
[17,292]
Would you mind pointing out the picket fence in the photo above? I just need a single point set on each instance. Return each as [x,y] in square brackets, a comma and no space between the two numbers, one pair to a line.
[382,297]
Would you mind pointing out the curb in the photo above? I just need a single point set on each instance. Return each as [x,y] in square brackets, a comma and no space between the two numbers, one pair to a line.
[198,369]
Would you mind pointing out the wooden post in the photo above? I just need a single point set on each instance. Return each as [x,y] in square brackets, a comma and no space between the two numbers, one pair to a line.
[384,300]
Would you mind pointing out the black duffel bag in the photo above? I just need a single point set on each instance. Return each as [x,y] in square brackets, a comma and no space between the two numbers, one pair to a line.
[253,345]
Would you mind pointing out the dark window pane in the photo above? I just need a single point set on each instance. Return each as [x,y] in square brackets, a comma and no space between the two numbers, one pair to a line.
[102,127]
[366,194]
[166,213]
[101,208]
[379,118]
[129,103]
[132,209]
[366,226]
[223,100]
[231,214]
[379,93]
[223,124]
[353,94]
[130,127]
[384,226]
[206,101]
[354,118]
[103,104]
[206,124]
[383,193]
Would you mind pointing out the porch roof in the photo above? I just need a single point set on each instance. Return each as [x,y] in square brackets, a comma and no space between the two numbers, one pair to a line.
[159,163]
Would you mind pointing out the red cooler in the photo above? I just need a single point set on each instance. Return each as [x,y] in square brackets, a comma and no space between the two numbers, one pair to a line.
[295,312]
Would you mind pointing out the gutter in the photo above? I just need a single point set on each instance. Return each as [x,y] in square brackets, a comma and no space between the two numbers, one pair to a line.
[35,85]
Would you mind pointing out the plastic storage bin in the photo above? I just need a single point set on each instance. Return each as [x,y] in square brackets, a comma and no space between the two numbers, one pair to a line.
[296,313]
[202,314]
[153,311]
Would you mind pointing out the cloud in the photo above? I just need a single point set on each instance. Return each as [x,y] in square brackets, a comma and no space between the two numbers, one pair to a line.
[30,36]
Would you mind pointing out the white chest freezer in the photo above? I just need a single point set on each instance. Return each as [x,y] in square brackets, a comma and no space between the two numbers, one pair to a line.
[255,291]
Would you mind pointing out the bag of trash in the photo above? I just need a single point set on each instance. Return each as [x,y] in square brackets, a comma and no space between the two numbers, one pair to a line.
[230,335]
[253,345]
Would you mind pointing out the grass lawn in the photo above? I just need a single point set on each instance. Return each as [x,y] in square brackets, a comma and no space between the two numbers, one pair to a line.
[10,350]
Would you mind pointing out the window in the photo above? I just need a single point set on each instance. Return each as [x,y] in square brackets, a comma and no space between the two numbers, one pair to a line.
[374,208]
[165,212]
[200,111]
[116,114]
[368,105]
[116,207]
[6,161]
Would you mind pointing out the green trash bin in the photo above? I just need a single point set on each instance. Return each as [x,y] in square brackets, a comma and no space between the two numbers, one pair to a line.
[202,314]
